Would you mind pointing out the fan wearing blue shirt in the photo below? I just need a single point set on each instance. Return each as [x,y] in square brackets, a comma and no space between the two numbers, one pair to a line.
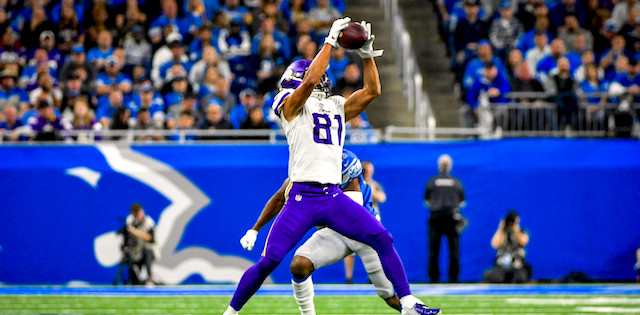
[169,16]
[112,78]
[475,68]
[98,55]
[282,44]
[10,94]
[492,84]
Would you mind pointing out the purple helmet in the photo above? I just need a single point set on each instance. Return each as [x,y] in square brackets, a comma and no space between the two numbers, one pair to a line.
[292,77]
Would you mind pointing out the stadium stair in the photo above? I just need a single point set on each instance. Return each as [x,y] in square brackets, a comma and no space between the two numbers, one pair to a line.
[390,108]
[422,25]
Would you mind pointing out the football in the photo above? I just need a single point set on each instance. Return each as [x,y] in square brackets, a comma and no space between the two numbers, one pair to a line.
[352,37]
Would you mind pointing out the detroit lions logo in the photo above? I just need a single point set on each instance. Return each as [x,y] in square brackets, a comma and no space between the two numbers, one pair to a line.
[186,200]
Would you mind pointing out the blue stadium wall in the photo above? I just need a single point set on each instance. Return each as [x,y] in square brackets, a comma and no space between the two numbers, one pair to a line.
[579,200]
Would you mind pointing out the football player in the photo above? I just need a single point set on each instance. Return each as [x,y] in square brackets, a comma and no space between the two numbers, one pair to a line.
[327,246]
[313,123]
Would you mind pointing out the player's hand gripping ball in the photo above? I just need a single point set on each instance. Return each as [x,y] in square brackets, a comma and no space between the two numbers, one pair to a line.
[353,37]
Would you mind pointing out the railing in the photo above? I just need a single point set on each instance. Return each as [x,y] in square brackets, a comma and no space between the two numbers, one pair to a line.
[412,80]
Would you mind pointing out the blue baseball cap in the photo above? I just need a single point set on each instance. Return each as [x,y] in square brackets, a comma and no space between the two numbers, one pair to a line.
[484,42]
[505,4]
[77,49]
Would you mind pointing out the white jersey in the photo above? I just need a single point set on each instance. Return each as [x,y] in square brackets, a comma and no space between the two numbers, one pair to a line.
[315,138]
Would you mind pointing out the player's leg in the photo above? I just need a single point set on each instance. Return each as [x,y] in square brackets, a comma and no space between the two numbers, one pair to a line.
[453,238]
[289,227]
[323,248]
[435,237]
[349,261]
[372,265]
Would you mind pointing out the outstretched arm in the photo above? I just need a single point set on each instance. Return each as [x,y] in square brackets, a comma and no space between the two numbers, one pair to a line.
[272,207]
[360,99]
[270,210]
[293,104]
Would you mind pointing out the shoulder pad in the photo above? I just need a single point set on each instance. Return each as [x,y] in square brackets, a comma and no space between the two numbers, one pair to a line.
[279,99]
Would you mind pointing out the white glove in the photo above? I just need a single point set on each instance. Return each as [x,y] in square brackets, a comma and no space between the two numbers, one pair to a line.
[249,239]
[366,51]
[337,27]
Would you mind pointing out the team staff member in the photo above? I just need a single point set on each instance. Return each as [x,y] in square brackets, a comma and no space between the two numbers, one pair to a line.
[444,196]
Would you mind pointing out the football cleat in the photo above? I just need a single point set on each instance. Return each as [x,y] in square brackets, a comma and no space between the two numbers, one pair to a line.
[421,309]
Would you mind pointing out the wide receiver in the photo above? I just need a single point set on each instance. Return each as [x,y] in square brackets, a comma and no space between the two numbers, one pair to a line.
[314,124]
[327,246]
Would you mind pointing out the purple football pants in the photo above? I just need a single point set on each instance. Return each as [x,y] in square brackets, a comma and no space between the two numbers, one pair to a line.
[310,205]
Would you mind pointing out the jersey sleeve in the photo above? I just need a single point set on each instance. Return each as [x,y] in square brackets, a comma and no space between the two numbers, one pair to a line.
[278,100]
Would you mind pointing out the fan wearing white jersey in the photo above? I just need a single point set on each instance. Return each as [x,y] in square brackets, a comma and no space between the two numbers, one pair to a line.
[314,126]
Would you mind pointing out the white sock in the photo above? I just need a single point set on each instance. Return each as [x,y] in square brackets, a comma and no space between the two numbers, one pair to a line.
[230,311]
[303,293]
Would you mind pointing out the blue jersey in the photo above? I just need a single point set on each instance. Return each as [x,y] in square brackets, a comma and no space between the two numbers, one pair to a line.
[352,169]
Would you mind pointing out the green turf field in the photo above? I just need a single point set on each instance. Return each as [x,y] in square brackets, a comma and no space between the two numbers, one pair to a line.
[354,305]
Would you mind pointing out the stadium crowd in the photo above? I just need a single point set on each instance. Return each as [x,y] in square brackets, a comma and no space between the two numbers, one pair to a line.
[139,64]
[575,51]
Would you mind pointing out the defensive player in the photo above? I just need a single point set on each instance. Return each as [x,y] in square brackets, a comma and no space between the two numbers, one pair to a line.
[327,246]
[314,124]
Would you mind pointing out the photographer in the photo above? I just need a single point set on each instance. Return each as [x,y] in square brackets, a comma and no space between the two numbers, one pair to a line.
[138,246]
[510,240]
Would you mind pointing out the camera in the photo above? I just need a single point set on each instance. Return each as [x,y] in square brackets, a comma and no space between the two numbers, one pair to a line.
[128,244]
[510,219]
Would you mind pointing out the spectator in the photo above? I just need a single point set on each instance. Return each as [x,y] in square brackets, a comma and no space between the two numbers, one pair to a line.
[206,37]
[184,124]
[11,49]
[445,196]
[82,119]
[295,13]
[360,131]
[208,85]
[178,63]
[214,118]
[491,86]
[235,46]
[194,17]
[147,98]
[46,91]
[548,64]
[618,45]
[175,91]
[145,122]
[31,31]
[628,29]
[469,31]
[107,107]
[559,12]
[71,92]
[269,63]
[571,31]
[170,17]
[338,63]
[165,54]
[222,93]
[509,240]
[99,55]
[322,16]
[137,50]
[235,11]
[239,113]
[539,51]
[626,83]
[133,14]
[269,10]
[592,84]
[120,120]
[620,14]
[189,103]
[10,94]
[352,79]
[564,87]
[140,229]
[474,72]
[10,125]
[48,43]
[505,30]
[523,81]
[575,55]
[587,58]
[46,125]
[70,30]
[526,40]
[280,40]
[112,78]
[78,61]
[602,40]
[513,60]
[210,59]
[255,119]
